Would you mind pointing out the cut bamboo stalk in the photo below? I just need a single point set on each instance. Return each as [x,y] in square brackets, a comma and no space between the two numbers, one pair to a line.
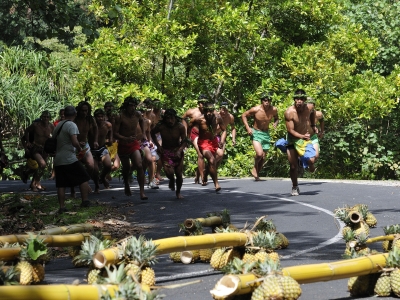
[382,238]
[190,224]
[65,240]
[7,254]
[355,217]
[75,228]
[231,285]
[56,292]
[177,244]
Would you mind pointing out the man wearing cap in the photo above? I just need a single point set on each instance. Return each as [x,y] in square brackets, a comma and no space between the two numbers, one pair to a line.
[300,125]
[193,134]
[259,134]
[128,146]
[173,134]
[209,145]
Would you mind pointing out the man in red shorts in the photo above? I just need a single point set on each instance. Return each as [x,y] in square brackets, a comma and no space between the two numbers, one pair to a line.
[128,146]
[208,142]
[193,133]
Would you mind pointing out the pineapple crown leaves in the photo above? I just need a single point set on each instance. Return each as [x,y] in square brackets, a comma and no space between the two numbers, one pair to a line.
[33,248]
[139,251]
[225,217]
[237,266]
[342,213]
[89,247]
[349,236]
[133,291]
[8,275]
[116,275]
[224,230]
[265,240]
[264,225]
[267,267]
[393,259]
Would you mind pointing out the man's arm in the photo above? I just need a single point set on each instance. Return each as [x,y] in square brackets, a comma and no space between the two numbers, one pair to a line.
[75,142]
[28,130]
[320,117]
[313,120]
[95,133]
[153,133]
[249,113]
[116,129]
[142,126]
[223,129]
[109,133]
[290,127]
[276,117]
[233,129]
[183,145]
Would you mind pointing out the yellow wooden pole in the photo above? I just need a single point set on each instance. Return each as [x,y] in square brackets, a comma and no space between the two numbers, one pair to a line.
[190,224]
[389,237]
[56,292]
[74,228]
[231,285]
[178,244]
[7,254]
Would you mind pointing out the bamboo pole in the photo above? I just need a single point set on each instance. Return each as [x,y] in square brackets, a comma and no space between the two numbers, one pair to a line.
[56,292]
[190,224]
[7,254]
[74,239]
[75,228]
[355,217]
[177,244]
[231,285]
[382,238]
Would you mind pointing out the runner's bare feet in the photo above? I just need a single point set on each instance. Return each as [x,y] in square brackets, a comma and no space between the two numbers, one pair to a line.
[217,188]
[128,190]
[179,196]
[257,179]
[40,187]
[143,196]
[97,190]
[106,184]
[204,183]
[33,188]
[254,174]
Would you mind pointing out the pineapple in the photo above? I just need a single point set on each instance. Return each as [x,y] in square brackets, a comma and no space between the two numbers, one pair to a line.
[343,215]
[140,254]
[395,281]
[382,286]
[275,284]
[393,261]
[205,254]
[266,242]
[216,258]
[175,256]
[238,266]
[388,230]
[90,247]
[371,220]
[29,266]
[8,275]
[249,256]
[74,251]
[283,242]
[361,285]
[361,227]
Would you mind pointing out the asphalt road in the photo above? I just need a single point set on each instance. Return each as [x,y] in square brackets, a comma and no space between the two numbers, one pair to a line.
[306,220]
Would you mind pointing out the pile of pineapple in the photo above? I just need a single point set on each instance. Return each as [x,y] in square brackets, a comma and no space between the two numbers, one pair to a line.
[391,230]
[383,284]
[365,219]
[28,268]
[271,282]
[261,246]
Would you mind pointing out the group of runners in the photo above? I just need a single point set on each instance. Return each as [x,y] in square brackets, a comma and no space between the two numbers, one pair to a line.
[141,137]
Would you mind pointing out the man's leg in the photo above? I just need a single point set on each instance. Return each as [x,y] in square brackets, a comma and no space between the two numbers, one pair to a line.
[88,161]
[169,172]
[84,188]
[126,168]
[106,161]
[137,165]
[179,178]
[293,161]
[200,164]
[61,197]
[258,160]
[96,174]
[148,160]
[212,168]
[41,161]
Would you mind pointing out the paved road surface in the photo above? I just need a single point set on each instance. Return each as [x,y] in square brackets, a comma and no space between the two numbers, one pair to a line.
[307,221]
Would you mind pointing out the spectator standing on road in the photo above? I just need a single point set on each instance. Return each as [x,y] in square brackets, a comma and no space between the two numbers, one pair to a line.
[259,134]
[300,125]
[173,133]
[70,172]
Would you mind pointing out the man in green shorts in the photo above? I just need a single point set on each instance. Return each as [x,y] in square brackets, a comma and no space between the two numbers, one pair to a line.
[263,115]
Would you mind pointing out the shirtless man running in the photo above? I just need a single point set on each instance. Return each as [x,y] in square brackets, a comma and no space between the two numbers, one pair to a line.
[88,130]
[173,133]
[209,145]
[300,125]
[101,155]
[229,120]
[128,146]
[41,131]
[263,115]
[190,114]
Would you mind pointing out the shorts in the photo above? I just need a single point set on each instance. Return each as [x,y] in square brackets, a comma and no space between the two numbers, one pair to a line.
[36,149]
[125,150]
[99,153]
[194,133]
[82,154]
[71,175]
[208,145]
[315,140]
[262,137]
[169,158]
[112,150]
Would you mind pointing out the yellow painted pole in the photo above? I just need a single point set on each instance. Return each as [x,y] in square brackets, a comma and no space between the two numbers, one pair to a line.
[56,292]
[74,228]
[178,244]
[7,254]
[231,285]
[190,224]
[389,237]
